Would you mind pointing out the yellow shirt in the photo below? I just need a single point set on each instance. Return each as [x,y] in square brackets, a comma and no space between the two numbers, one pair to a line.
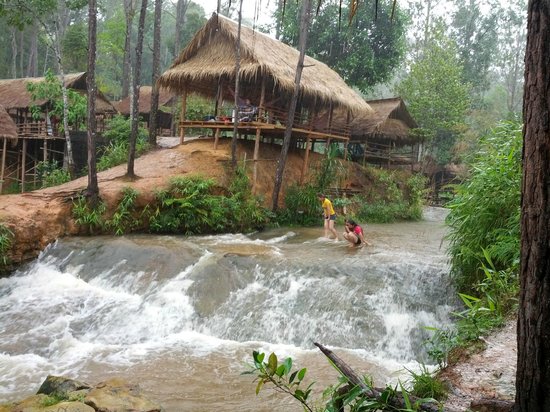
[327,207]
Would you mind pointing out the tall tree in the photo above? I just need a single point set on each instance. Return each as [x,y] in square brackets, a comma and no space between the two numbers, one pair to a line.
[305,19]
[129,12]
[436,95]
[365,51]
[475,34]
[93,188]
[135,87]
[237,89]
[533,330]
[156,74]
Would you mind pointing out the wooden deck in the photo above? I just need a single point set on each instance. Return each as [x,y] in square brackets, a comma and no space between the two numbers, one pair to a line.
[265,129]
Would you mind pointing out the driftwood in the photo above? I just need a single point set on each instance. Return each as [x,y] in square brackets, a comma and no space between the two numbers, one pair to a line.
[492,405]
[375,393]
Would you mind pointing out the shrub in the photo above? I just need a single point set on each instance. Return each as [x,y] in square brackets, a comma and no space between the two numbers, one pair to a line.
[51,174]
[485,213]
[6,238]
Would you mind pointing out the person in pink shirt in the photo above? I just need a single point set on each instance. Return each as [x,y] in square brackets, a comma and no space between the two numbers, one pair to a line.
[354,234]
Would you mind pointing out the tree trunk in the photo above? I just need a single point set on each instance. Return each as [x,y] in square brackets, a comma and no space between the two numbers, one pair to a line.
[93,189]
[13,53]
[32,66]
[533,330]
[153,126]
[181,10]
[304,28]
[135,86]
[237,90]
[129,11]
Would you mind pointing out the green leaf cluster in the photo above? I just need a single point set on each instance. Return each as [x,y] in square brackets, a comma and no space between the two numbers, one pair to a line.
[365,51]
[6,239]
[51,174]
[124,218]
[50,90]
[194,205]
[485,213]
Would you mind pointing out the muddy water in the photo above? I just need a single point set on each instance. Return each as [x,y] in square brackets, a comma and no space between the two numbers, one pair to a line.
[182,315]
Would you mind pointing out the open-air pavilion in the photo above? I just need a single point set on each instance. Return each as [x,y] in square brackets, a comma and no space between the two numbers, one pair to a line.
[267,78]
[384,137]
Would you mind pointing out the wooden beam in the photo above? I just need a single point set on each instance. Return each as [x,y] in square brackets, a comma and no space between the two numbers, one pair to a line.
[219,102]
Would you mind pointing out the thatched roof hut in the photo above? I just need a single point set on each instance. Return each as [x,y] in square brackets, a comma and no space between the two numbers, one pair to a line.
[209,59]
[14,94]
[166,98]
[7,126]
[391,121]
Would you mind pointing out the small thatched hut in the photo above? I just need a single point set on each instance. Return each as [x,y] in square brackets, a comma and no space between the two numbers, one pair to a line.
[266,77]
[385,135]
[16,99]
[166,99]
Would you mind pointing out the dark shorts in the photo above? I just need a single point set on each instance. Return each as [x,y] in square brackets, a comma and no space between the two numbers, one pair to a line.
[358,241]
[332,217]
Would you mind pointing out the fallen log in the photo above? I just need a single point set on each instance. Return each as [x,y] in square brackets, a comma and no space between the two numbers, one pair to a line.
[374,393]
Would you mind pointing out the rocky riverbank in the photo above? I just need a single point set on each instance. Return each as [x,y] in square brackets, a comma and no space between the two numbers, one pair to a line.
[62,394]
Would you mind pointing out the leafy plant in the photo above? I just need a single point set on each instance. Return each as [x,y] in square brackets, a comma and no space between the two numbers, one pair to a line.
[357,398]
[425,384]
[485,213]
[118,132]
[51,174]
[50,90]
[90,218]
[6,239]
[123,220]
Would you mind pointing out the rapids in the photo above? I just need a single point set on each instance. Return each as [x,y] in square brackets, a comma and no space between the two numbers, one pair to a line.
[181,315]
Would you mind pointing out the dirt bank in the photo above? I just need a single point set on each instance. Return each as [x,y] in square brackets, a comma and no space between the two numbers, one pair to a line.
[40,217]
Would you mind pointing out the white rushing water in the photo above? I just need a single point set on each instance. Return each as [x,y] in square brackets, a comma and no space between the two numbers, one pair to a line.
[181,315]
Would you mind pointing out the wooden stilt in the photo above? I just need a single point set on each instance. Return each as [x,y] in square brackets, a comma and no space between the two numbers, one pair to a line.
[23,165]
[306,161]
[3,165]
[219,103]
[45,151]
[257,140]
[183,113]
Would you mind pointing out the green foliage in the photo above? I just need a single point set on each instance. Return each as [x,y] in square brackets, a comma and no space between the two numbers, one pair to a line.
[51,174]
[425,384]
[302,206]
[193,205]
[6,239]
[402,198]
[53,399]
[91,218]
[343,394]
[485,213]
[329,170]
[365,51]
[50,90]
[123,219]
[117,133]
[436,95]
[75,47]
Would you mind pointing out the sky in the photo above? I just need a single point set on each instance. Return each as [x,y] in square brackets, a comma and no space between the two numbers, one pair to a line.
[251,8]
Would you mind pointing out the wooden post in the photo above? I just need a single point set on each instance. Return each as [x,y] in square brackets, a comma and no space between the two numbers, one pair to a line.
[183,112]
[346,150]
[219,103]
[365,153]
[45,150]
[2,167]
[306,161]
[23,165]
[257,141]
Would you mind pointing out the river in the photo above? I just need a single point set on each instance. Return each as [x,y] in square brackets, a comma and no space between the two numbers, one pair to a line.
[181,315]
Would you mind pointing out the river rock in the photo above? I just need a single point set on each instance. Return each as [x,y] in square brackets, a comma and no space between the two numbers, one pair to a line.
[116,395]
[61,385]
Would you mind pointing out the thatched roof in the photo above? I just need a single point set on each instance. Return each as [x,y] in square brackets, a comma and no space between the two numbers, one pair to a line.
[390,121]
[166,98]
[7,126]
[14,94]
[211,55]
